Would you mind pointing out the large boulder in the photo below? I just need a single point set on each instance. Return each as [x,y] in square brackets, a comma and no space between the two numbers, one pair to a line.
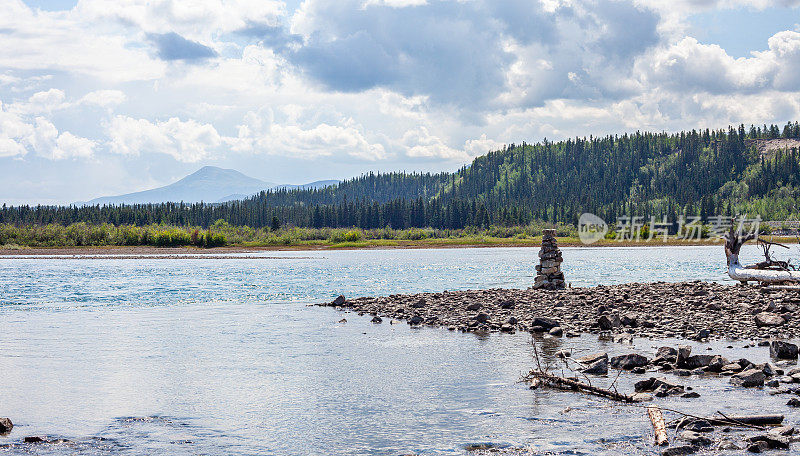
[666,353]
[717,364]
[782,350]
[629,361]
[749,378]
[339,301]
[769,319]
[696,361]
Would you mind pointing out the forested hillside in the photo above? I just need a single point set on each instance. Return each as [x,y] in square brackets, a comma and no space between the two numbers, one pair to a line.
[696,173]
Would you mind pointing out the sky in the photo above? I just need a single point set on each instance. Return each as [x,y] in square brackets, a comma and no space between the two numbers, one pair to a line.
[102,98]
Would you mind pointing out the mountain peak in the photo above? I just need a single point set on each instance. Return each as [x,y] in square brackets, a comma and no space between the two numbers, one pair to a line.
[209,184]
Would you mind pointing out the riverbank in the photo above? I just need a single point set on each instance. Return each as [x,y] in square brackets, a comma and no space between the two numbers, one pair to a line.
[326,245]
[692,310]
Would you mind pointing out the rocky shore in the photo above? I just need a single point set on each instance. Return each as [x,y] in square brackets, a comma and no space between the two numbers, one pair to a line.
[692,310]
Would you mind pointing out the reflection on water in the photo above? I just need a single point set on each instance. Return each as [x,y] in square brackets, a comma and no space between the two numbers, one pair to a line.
[225,357]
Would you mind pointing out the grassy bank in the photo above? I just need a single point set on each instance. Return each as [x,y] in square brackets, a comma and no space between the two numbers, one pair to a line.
[221,234]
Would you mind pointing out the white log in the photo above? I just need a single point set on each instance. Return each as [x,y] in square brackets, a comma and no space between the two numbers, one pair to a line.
[659,427]
[738,272]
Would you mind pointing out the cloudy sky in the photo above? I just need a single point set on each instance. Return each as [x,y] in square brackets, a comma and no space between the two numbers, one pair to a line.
[103,97]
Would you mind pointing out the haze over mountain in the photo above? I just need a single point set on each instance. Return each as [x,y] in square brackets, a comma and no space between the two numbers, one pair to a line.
[209,184]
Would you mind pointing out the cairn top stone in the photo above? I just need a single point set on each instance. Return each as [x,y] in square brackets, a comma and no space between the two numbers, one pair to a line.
[549,232]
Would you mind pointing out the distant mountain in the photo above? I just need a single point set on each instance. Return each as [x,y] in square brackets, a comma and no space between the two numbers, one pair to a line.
[208,184]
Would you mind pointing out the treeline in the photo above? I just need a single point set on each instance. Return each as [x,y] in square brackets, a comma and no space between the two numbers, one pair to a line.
[221,233]
[698,172]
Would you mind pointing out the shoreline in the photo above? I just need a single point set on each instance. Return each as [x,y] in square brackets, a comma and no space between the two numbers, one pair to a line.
[690,310]
[365,245]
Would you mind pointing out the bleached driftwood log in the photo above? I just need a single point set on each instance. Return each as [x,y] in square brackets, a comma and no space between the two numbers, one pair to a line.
[744,274]
[659,426]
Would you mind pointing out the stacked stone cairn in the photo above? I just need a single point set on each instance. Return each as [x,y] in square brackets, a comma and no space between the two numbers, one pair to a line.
[549,275]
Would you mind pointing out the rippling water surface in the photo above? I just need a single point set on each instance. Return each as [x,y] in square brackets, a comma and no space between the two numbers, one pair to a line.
[225,356]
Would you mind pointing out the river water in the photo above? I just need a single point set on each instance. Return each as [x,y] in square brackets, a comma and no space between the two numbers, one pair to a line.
[227,356]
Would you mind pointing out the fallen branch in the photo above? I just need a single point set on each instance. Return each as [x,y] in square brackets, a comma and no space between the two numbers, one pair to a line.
[568,383]
[659,427]
[752,420]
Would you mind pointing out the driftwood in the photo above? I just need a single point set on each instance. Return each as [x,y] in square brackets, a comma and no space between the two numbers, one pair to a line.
[757,272]
[659,426]
[569,383]
[753,420]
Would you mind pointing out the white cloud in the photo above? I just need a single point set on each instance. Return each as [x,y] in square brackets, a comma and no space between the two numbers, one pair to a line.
[394,3]
[186,141]
[260,135]
[104,98]
[71,146]
[196,18]
[482,145]
[72,43]
[419,142]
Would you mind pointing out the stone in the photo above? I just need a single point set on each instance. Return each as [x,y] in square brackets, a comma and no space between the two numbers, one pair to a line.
[547,323]
[33,439]
[507,328]
[769,319]
[683,352]
[415,320]
[481,318]
[758,447]
[717,363]
[782,430]
[629,319]
[642,397]
[695,438]
[695,361]
[666,353]
[339,301]
[679,450]
[474,306]
[749,378]
[377,319]
[6,425]
[419,304]
[690,395]
[599,367]
[793,402]
[628,362]
[509,304]
[729,445]
[589,359]
[782,350]
[607,323]
[773,441]
[699,426]
[557,331]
